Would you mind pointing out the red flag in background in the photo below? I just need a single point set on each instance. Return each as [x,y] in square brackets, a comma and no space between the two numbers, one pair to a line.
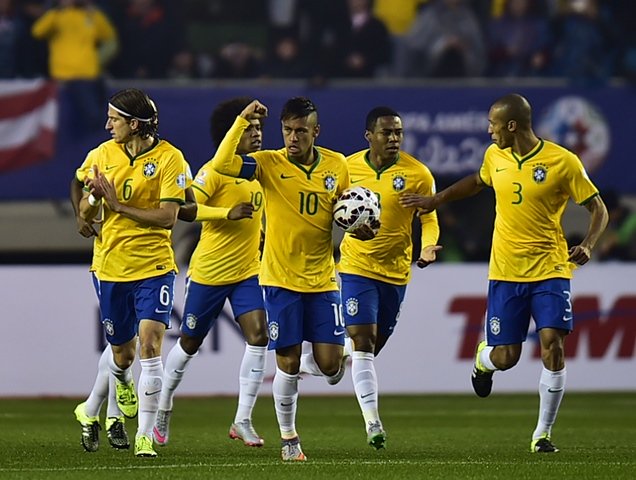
[28,122]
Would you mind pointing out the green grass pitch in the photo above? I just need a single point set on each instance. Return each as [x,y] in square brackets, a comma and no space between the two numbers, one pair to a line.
[429,437]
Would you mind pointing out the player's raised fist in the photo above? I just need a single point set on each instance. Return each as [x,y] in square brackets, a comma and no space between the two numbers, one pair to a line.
[254,110]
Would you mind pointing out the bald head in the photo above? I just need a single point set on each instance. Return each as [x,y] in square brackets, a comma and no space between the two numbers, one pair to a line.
[515,107]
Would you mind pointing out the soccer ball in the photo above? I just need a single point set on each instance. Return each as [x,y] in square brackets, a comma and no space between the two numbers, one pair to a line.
[356,206]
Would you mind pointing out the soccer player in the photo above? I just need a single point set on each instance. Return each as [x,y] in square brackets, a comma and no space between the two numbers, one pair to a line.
[139,180]
[300,183]
[530,264]
[374,274]
[224,265]
[87,412]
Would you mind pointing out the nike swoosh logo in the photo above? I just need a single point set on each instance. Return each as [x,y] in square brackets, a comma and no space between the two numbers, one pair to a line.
[338,332]
[555,390]
[286,404]
[500,169]
[176,370]
[566,319]
[110,167]
[357,181]
[258,370]
[160,311]
[149,394]
[366,395]
[238,182]
[284,177]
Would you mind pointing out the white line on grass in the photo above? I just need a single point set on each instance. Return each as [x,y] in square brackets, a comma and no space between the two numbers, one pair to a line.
[308,464]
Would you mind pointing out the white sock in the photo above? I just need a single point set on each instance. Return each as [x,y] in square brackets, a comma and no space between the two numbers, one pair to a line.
[112,409]
[551,390]
[308,365]
[176,364]
[484,358]
[285,392]
[251,377]
[148,394]
[365,384]
[122,375]
[100,387]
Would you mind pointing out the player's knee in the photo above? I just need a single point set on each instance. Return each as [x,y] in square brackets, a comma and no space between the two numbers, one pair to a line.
[257,336]
[190,345]
[329,367]
[124,359]
[504,357]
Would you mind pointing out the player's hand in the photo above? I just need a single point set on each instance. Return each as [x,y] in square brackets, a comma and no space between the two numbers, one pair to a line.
[254,111]
[363,232]
[580,254]
[84,228]
[421,202]
[101,187]
[428,255]
[241,210]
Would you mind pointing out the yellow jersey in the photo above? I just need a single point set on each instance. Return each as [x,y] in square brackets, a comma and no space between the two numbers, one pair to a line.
[74,35]
[388,256]
[531,194]
[129,250]
[298,253]
[227,251]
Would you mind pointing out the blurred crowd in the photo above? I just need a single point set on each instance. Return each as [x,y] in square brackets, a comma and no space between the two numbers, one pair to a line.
[586,41]
[81,43]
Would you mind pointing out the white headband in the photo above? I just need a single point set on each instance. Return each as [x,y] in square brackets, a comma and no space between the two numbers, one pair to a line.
[126,114]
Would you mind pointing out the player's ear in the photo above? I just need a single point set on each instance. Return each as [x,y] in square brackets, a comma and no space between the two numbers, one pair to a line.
[367,135]
[512,125]
[316,131]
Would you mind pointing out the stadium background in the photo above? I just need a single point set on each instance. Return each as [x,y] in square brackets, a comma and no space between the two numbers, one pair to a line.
[43,261]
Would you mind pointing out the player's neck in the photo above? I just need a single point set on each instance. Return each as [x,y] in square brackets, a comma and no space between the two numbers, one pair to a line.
[378,161]
[307,159]
[137,145]
[525,143]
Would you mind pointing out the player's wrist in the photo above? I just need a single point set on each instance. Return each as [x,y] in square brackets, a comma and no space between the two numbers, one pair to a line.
[93,201]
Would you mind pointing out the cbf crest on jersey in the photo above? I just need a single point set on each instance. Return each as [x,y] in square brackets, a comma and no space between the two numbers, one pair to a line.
[399,182]
[539,173]
[330,181]
[150,168]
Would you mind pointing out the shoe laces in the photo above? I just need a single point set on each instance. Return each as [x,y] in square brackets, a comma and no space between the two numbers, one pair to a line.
[126,395]
[91,431]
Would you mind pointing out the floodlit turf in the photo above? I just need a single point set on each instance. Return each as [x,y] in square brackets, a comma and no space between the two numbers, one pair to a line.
[429,437]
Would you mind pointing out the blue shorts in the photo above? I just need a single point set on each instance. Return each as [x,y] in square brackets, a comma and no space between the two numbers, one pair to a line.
[203,303]
[294,317]
[367,301]
[511,304]
[124,304]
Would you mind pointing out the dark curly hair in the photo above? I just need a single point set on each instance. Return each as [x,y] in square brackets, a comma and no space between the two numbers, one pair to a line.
[223,116]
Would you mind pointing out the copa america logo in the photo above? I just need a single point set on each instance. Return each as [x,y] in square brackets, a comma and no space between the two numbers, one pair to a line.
[579,126]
